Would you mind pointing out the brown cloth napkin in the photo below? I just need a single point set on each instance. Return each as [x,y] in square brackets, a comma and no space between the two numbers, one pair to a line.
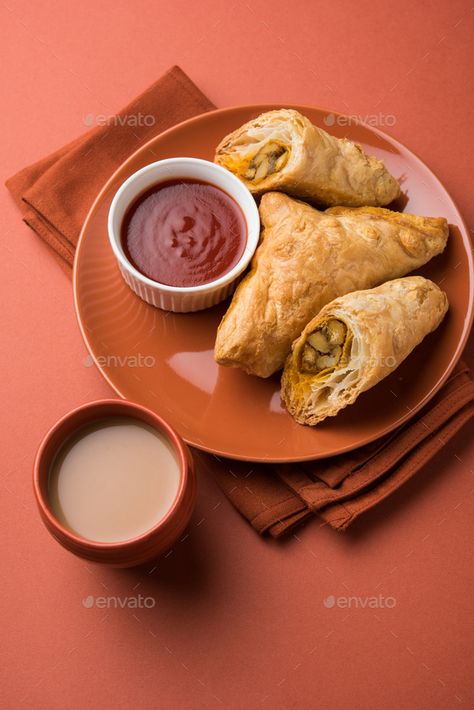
[276,498]
[55,195]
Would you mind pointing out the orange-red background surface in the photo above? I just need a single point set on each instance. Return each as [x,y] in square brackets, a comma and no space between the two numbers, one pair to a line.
[238,622]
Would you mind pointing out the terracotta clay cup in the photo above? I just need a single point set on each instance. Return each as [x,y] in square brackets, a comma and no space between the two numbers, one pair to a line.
[137,550]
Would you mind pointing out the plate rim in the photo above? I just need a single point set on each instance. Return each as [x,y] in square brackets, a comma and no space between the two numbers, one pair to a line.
[468,321]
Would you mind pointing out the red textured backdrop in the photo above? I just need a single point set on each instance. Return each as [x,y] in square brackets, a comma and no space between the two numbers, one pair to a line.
[237,622]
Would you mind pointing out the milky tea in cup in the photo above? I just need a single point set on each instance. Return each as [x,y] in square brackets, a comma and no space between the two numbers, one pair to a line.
[113,479]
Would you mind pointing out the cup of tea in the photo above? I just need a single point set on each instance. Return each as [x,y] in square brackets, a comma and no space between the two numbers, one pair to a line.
[114,483]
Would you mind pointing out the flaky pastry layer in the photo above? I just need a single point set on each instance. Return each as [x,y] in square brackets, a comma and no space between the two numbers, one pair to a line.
[305,259]
[378,329]
[282,150]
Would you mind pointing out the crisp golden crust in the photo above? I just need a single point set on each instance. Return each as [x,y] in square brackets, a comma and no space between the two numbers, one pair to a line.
[282,150]
[383,326]
[305,259]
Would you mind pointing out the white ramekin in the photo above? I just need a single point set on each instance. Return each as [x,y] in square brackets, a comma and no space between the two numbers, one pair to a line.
[174,298]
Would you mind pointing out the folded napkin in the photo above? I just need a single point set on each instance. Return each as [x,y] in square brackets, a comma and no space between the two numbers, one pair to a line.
[276,498]
[55,195]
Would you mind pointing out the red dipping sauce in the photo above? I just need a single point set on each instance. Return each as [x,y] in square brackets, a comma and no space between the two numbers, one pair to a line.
[184,233]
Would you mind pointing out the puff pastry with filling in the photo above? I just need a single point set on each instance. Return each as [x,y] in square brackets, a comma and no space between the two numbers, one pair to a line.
[305,259]
[356,341]
[282,150]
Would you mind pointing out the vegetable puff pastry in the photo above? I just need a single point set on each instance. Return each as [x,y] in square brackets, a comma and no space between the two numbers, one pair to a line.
[305,259]
[282,150]
[356,341]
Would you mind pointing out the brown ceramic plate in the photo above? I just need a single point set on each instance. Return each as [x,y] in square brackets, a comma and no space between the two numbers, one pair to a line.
[165,361]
